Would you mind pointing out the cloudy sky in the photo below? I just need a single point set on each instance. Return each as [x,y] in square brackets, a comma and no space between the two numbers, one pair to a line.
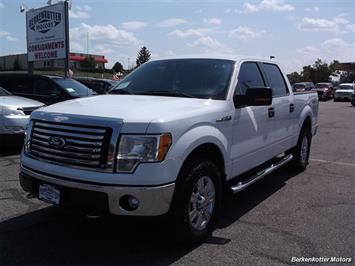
[295,32]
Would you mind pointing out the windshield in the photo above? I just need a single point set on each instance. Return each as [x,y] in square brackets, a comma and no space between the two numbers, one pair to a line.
[299,86]
[73,87]
[321,86]
[345,87]
[4,92]
[198,78]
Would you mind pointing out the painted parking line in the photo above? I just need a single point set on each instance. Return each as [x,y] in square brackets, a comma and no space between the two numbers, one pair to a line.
[338,163]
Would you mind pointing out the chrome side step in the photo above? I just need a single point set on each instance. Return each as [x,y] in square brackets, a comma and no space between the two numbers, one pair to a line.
[242,185]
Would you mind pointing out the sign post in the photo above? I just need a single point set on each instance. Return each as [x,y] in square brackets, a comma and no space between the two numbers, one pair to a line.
[47,31]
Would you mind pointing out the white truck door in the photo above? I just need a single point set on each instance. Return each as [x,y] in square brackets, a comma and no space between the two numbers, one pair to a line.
[283,109]
[251,127]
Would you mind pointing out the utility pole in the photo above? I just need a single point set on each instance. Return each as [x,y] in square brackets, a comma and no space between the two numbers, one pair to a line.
[66,64]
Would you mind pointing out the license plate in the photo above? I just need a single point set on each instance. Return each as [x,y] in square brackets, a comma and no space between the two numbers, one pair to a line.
[48,193]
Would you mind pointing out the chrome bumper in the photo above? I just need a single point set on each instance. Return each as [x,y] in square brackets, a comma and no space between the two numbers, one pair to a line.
[153,201]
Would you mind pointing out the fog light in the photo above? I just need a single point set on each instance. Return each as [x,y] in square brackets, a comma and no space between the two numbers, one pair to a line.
[133,202]
[129,203]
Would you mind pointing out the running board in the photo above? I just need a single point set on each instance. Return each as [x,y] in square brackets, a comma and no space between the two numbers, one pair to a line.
[242,185]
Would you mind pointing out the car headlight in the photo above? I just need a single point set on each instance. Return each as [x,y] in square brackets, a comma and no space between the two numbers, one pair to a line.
[6,110]
[135,149]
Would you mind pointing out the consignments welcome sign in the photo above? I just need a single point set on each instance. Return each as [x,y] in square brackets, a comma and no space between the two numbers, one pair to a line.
[46,33]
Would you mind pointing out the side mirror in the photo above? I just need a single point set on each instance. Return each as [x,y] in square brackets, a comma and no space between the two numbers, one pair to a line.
[254,97]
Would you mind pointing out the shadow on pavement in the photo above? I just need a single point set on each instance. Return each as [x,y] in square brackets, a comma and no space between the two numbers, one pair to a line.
[53,237]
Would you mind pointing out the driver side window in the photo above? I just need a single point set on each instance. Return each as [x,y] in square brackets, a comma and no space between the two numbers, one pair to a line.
[249,77]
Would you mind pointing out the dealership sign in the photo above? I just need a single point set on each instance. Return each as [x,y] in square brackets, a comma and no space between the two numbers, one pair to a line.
[46,33]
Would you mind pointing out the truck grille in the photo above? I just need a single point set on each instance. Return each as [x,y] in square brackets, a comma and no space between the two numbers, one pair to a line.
[69,144]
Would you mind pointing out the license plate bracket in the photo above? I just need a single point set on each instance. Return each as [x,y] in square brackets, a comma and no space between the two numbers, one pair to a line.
[49,193]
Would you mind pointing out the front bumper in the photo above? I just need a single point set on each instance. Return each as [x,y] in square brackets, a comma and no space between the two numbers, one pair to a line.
[153,201]
[343,97]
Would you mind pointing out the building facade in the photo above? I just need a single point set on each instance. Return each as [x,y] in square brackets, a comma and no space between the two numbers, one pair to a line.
[19,62]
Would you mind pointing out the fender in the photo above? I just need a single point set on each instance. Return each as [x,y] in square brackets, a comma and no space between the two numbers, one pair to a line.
[306,112]
[200,135]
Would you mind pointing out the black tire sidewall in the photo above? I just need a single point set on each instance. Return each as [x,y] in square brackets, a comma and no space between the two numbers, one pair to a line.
[186,182]
[298,163]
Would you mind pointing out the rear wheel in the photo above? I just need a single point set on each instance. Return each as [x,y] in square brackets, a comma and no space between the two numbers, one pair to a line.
[301,151]
[197,201]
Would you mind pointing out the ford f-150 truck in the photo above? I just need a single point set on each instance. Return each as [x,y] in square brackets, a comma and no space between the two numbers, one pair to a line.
[169,139]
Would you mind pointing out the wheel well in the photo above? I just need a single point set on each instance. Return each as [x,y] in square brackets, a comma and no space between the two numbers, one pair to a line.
[307,123]
[209,151]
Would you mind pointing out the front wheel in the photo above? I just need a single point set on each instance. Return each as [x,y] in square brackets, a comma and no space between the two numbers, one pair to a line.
[197,201]
[353,103]
[301,151]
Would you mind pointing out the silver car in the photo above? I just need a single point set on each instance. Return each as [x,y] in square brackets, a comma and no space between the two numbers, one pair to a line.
[15,112]
[344,92]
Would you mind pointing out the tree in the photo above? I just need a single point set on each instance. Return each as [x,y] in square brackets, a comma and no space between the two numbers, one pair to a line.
[294,77]
[143,56]
[88,63]
[117,67]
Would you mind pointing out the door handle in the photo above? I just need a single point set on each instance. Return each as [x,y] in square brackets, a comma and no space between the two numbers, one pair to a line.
[292,107]
[271,112]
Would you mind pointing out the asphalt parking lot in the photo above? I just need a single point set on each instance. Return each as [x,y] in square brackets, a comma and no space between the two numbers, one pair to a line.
[311,214]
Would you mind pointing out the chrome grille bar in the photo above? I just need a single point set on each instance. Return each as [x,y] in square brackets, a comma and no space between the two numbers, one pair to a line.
[78,146]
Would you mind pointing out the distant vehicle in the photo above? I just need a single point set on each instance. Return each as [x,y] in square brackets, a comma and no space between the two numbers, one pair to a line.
[14,114]
[325,90]
[100,86]
[46,89]
[344,91]
[303,86]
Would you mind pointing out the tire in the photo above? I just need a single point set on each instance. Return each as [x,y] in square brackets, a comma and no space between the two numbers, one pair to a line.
[353,103]
[301,151]
[190,202]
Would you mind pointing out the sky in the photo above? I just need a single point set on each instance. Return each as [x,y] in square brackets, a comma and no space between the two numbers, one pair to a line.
[295,32]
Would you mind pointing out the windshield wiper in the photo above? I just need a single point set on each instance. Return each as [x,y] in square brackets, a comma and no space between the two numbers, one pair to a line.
[167,93]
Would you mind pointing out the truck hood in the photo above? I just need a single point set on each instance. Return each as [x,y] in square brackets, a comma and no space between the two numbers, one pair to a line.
[133,108]
[18,102]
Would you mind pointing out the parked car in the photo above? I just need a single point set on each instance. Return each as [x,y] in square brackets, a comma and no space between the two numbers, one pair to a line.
[169,139]
[14,115]
[344,91]
[325,90]
[100,86]
[303,86]
[46,89]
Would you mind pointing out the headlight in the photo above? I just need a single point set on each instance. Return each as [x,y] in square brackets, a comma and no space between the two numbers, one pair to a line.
[135,149]
[6,110]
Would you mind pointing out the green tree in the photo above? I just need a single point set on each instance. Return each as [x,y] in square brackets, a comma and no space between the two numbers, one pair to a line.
[294,77]
[88,63]
[117,67]
[143,56]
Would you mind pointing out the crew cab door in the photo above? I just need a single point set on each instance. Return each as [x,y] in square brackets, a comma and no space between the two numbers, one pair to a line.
[252,130]
[282,118]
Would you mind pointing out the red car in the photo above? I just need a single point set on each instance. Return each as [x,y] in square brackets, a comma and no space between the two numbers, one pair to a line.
[325,90]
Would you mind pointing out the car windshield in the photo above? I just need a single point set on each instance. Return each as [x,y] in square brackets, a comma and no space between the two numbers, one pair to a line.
[321,86]
[299,86]
[345,87]
[197,78]
[4,92]
[73,87]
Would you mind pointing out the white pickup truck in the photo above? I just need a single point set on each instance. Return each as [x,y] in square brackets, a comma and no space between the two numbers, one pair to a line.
[168,139]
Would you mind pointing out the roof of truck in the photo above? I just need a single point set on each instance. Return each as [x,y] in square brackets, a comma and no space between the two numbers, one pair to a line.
[235,58]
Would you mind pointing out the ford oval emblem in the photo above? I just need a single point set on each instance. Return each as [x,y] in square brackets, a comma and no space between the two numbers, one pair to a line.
[56,142]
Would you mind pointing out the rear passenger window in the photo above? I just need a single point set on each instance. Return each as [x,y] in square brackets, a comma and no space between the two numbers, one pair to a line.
[276,80]
[45,87]
[249,77]
[20,85]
